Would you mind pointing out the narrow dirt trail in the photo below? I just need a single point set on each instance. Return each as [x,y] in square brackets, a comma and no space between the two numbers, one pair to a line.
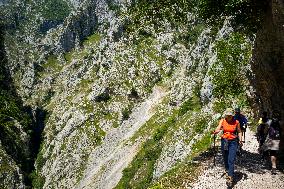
[250,171]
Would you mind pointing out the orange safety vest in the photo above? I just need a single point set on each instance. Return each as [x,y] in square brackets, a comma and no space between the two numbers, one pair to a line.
[229,129]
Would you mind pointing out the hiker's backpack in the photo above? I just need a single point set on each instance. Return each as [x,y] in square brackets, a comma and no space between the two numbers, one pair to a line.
[261,134]
[274,131]
[242,120]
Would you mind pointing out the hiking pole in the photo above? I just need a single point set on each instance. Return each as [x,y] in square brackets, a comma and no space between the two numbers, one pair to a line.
[244,133]
[214,147]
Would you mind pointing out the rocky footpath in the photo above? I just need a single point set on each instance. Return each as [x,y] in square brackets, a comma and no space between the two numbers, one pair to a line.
[250,170]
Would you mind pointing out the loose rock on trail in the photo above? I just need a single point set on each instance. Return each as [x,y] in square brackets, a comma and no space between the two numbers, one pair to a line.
[250,171]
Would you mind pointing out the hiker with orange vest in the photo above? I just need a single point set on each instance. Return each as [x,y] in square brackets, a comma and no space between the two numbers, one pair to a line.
[229,142]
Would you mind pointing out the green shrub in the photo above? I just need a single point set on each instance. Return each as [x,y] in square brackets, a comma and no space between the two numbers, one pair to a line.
[133,94]
[174,11]
[68,56]
[50,66]
[220,105]
[125,113]
[55,10]
[185,107]
[37,180]
[140,172]
[192,104]
[247,14]
[227,73]
[201,145]
[47,98]
[156,186]
[94,38]
[200,125]
[40,161]
[103,97]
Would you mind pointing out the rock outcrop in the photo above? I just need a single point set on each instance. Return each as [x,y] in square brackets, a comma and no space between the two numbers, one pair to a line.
[16,153]
[268,59]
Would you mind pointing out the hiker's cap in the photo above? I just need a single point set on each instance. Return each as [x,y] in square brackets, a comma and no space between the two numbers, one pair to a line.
[237,110]
[229,112]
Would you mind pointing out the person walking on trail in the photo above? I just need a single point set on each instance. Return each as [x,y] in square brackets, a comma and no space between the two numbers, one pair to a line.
[272,141]
[229,142]
[242,120]
[262,130]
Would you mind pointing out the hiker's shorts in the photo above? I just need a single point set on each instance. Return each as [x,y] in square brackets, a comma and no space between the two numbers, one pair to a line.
[273,152]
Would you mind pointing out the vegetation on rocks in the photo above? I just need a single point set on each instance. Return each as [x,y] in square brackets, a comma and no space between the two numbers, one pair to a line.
[247,14]
[229,71]
[55,10]
[140,172]
[144,81]
[15,129]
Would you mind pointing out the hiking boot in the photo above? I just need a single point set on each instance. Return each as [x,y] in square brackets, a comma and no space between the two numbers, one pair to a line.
[273,171]
[229,181]
[226,174]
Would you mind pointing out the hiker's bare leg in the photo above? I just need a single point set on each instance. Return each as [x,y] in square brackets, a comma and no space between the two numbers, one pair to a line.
[273,161]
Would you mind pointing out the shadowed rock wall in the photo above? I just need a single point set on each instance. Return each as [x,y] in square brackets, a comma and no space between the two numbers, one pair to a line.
[268,59]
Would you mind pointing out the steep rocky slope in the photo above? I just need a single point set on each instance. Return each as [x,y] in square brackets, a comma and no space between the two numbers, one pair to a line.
[130,92]
[15,127]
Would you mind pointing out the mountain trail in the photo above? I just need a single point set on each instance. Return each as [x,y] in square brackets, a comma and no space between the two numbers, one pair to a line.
[250,171]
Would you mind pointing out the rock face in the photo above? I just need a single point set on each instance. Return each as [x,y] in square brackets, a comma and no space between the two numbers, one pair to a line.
[268,59]
[76,28]
[15,149]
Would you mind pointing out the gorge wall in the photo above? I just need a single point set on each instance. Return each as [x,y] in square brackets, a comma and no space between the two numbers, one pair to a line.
[268,59]
[124,95]
[15,146]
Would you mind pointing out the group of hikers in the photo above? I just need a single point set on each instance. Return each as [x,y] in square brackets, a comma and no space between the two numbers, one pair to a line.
[233,126]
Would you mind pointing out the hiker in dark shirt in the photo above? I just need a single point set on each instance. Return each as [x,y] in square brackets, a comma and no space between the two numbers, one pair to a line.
[243,125]
[242,120]
[272,140]
[262,129]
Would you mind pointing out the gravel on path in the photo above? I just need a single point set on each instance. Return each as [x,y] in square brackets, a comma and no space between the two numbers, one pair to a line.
[250,171]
